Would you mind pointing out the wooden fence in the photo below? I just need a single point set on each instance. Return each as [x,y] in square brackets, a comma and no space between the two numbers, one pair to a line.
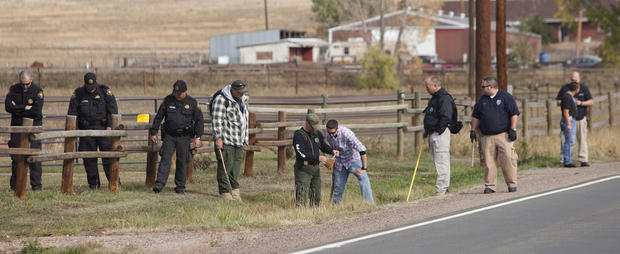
[538,118]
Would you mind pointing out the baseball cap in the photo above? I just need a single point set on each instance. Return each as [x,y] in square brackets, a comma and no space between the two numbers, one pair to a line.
[239,86]
[313,120]
[90,81]
[179,87]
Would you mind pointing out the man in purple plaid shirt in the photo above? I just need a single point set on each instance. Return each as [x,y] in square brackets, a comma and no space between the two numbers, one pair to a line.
[352,160]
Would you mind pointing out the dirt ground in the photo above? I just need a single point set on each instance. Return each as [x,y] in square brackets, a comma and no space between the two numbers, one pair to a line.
[286,238]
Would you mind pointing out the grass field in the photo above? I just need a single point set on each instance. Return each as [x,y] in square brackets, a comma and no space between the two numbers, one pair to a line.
[268,196]
[72,32]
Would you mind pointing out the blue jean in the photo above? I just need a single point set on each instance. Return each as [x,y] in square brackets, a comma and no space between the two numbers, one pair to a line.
[340,181]
[569,141]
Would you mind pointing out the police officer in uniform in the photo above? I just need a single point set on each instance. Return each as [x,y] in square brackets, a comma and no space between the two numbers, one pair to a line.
[496,115]
[25,99]
[183,121]
[94,104]
[307,142]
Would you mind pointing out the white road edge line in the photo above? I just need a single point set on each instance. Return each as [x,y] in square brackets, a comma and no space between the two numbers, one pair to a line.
[342,243]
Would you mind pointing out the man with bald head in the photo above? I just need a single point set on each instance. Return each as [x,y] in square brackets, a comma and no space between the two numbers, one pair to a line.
[25,99]
[583,99]
[437,116]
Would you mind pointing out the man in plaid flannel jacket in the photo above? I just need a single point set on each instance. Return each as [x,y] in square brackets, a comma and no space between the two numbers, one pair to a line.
[230,119]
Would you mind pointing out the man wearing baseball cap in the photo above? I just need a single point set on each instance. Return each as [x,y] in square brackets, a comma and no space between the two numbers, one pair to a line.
[230,120]
[183,123]
[308,142]
[94,104]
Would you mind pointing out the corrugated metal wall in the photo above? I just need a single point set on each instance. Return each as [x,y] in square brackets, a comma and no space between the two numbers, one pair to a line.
[227,45]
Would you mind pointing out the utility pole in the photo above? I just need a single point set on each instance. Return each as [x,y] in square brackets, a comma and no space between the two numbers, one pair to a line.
[382,11]
[472,51]
[483,42]
[266,17]
[500,43]
[578,54]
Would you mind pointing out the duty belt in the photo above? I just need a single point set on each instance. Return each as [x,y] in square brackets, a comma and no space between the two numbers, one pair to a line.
[306,162]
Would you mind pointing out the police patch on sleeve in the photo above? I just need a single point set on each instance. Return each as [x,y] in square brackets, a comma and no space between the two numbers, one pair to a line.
[109,92]
[97,96]
[30,101]
[40,94]
[499,102]
[186,106]
[316,140]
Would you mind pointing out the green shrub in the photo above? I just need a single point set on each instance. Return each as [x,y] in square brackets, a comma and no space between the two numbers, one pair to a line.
[378,70]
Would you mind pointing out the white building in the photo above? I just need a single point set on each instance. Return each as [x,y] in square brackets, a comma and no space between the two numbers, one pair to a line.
[283,51]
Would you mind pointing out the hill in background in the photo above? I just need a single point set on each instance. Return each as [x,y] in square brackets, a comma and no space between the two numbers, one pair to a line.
[74,32]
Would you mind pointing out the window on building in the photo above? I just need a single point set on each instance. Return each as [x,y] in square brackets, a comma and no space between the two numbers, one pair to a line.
[346,50]
[264,55]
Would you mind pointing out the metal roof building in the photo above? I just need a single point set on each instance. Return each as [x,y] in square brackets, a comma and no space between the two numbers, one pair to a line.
[228,45]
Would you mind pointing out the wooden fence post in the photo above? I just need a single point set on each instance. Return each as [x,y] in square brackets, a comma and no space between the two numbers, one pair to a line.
[22,165]
[400,141]
[144,80]
[600,93]
[524,117]
[281,136]
[417,118]
[249,155]
[67,165]
[324,105]
[549,105]
[296,81]
[151,159]
[326,77]
[611,109]
[115,162]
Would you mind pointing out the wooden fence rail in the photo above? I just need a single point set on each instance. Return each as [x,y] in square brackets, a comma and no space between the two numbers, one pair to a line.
[533,115]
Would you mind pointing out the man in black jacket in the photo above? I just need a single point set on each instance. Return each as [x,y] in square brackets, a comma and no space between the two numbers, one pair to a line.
[183,121]
[437,115]
[25,99]
[94,104]
[307,142]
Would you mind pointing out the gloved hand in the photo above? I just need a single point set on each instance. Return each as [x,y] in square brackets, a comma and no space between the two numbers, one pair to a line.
[441,130]
[512,134]
[472,136]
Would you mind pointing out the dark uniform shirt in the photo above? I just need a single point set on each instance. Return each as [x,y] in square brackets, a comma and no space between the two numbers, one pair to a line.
[495,113]
[33,97]
[568,102]
[93,110]
[582,95]
[438,113]
[307,146]
[182,118]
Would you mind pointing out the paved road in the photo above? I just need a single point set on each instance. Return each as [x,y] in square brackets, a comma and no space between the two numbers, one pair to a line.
[581,220]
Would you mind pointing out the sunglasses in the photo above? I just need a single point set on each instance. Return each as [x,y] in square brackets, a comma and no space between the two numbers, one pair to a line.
[483,87]
[332,132]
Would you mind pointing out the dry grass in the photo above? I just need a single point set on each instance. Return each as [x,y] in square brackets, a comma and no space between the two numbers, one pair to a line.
[70,33]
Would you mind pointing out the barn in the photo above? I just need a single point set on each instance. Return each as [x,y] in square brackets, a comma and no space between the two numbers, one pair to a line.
[291,50]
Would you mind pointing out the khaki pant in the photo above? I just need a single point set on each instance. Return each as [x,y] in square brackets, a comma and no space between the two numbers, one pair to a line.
[581,136]
[440,146]
[498,150]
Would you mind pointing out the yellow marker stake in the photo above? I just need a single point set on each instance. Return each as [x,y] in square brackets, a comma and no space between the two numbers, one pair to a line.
[143,118]
[414,171]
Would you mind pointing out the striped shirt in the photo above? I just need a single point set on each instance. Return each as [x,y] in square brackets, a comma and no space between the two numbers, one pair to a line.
[230,123]
[348,145]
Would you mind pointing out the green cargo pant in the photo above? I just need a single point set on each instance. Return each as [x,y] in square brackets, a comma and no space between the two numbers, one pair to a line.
[233,156]
[307,184]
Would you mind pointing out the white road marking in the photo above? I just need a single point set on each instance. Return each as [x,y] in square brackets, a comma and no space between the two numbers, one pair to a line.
[342,243]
